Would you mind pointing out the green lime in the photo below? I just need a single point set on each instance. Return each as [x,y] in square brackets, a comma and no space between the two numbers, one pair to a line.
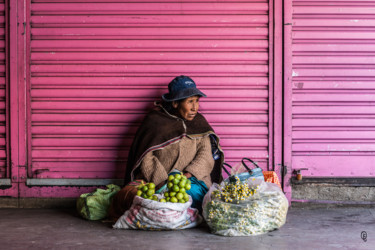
[175,188]
[177,176]
[150,192]
[168,199]
[166,194]
[186,196]
[144,188]
[179,196]
[151,185]
[182,183]
[170,185]
[172,194]
[186,200]
[174,200]
[163,200]
[182,190]
[139,192]
[187,186]
[170,177]
[154,197]
[184,177]
[176,181]
[181,201]
[144,196]
[188,181]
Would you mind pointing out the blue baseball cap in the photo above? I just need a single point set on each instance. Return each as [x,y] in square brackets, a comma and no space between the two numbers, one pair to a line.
[181,87]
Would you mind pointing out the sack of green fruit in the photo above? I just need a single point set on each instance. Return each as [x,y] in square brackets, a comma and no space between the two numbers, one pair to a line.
[94,205]
[239,208]
[168,210]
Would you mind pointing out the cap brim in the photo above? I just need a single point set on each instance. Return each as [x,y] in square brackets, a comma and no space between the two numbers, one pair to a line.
[183,94]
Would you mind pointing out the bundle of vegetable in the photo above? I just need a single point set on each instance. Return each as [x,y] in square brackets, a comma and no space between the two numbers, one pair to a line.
[150,211]
[234,191]
[147,191]
[177,185]
[239,209]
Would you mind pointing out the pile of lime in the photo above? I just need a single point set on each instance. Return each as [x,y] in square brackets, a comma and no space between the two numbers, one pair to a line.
[177,185]
[147,191]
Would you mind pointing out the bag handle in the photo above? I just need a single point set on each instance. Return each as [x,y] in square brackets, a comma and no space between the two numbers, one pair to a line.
[244,164]
[226,171]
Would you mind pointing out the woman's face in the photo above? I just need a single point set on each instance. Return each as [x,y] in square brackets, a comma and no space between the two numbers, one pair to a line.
[188,108]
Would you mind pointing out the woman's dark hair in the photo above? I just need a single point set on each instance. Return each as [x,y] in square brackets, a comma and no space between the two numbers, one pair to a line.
[168,106]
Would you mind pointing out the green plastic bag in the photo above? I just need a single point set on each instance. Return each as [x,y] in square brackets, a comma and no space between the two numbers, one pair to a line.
[94,206]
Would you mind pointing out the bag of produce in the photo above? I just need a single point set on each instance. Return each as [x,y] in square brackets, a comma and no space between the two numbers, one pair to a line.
[148,214]
[239,208]
[168,210]
[94,205]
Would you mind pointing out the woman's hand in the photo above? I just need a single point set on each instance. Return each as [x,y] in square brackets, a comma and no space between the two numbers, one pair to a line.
[188,175]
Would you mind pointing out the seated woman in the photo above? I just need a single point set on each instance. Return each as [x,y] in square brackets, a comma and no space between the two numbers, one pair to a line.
[174,136]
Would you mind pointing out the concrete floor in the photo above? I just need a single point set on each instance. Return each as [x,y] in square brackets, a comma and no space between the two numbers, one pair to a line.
[307,227]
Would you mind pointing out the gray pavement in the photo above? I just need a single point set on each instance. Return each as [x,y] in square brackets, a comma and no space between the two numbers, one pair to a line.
[307,227]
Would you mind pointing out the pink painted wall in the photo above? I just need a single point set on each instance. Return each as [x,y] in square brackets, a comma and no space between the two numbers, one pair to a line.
[332,88]
[93,70]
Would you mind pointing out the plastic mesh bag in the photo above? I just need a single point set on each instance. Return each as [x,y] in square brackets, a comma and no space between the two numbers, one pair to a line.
[264,210]
[94,205]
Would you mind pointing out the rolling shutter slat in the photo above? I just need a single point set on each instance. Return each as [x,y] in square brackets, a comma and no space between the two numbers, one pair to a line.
[96,67]
[333,88]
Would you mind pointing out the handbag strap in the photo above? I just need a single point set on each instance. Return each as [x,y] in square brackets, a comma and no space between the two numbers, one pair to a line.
[247,167]
[226,171]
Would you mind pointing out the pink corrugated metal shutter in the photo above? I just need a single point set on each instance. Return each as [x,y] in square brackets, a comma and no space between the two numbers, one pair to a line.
[4,167]
[333,87]
[96,67]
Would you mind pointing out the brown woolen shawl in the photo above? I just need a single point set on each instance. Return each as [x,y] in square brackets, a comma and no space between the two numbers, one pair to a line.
[159,129]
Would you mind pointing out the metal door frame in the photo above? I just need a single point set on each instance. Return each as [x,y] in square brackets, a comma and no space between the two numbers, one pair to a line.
[287,95]
[9,185]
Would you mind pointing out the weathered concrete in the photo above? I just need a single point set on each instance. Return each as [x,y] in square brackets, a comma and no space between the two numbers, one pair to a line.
[7,202]
[332,192]
[312,227]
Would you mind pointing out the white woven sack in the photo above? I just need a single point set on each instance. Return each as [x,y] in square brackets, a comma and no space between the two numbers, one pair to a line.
[148,214]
